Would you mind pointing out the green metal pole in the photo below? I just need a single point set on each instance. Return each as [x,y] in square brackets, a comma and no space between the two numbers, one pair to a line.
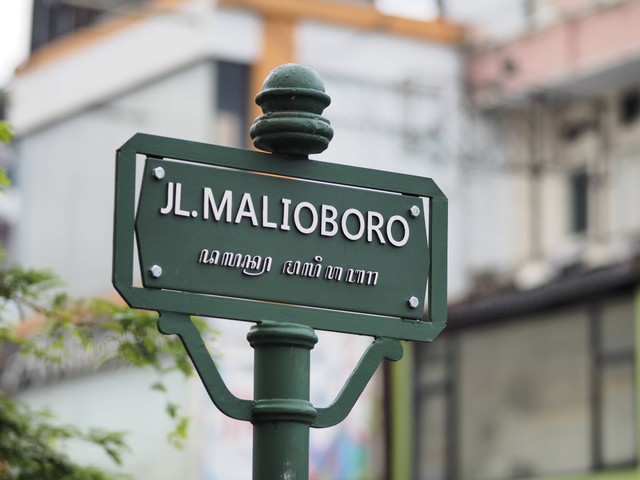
[282,413]
[292,99]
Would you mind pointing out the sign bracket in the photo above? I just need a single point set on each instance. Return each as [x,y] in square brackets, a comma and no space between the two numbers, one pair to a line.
[284,348]
[179,324]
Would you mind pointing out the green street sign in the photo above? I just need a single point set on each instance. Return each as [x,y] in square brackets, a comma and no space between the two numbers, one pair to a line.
[253,236]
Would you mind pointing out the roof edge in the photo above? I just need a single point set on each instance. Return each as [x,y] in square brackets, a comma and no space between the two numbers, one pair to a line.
[563,291]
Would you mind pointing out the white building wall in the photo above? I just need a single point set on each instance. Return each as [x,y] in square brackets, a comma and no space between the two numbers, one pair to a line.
[604,148]
[67,171]
[396,105]
[121,400]
[488,217]
[412,126]
[625,177]
[555,219]
[626,196]
[104,69]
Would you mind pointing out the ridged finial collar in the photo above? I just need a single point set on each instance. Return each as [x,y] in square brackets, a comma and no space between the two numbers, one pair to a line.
[292,101]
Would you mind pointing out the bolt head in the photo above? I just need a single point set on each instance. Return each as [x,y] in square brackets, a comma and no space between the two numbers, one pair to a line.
[414,302]
[415,211]
[158,173]
[155,271]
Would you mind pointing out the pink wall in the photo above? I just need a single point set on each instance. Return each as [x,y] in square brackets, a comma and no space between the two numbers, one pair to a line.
[556,54]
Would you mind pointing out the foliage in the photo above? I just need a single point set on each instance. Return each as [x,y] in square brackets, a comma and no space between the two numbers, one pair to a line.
[26,441]
[32,445]
[6,132]
[5,137]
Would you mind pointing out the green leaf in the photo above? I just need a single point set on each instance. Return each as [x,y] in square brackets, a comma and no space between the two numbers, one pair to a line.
[179,433]
[158,386]
[172,410]
[29,441]
[4,179]
[6,132]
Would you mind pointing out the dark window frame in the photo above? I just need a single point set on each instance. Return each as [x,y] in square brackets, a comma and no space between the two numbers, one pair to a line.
[447,387]
[232,96]
[54,19]
[601,361]
[629,106]
[579,200]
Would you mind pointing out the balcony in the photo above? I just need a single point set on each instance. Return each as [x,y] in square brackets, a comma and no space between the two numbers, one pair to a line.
[581,55]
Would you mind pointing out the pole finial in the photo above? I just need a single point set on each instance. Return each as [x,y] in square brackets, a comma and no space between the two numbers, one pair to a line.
[292,101]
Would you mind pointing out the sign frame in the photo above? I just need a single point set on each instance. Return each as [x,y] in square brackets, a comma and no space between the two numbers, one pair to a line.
[251,310]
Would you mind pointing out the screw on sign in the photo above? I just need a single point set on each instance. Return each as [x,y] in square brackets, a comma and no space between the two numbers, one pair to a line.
[252,236]
[158,173]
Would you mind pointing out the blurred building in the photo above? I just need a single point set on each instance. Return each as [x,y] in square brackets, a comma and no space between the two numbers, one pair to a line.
[100,71]
[536,375]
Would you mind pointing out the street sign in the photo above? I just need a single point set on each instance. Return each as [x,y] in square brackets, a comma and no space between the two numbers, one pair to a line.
[253,236]
[243,234]
[286,242]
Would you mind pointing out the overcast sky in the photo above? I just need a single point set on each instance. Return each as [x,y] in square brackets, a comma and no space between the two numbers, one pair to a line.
[14,36]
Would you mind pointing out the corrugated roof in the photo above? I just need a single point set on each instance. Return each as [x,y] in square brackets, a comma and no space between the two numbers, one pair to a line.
[562,291]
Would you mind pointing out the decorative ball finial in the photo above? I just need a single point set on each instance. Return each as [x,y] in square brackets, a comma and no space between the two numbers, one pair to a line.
[292,101]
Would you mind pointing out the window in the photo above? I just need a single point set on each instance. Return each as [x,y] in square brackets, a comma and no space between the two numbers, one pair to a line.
[232,93]
[546,394]
[53,19]
[629,107]
[579,203]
